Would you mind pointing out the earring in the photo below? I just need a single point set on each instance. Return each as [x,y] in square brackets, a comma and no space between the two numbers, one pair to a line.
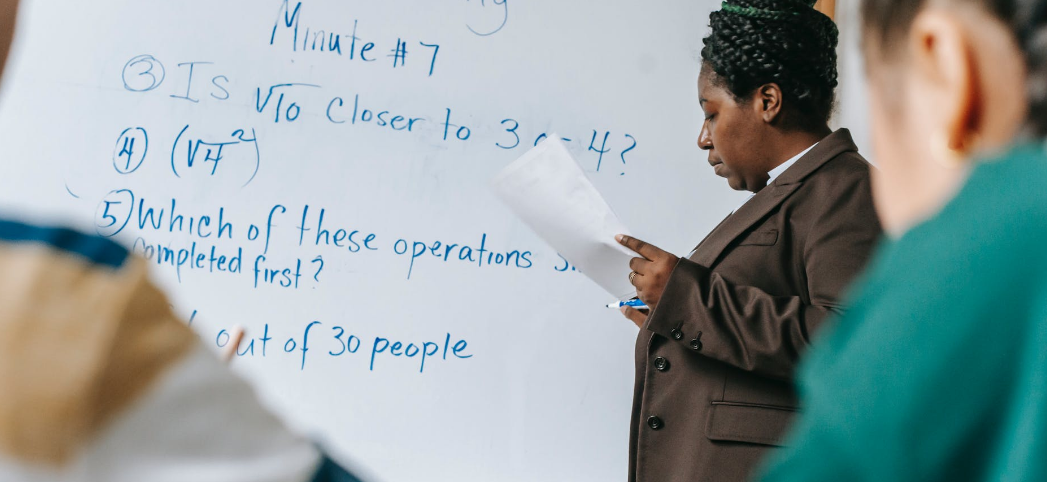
[946,155]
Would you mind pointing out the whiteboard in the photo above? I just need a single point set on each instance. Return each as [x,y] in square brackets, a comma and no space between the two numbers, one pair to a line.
[223,123]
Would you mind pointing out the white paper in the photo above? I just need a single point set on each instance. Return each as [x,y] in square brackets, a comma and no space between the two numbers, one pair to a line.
[551,193]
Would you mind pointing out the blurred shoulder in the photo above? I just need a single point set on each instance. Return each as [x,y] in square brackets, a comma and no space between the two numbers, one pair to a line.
[81,311]
[1005,197]
[1016,177]
[59,242]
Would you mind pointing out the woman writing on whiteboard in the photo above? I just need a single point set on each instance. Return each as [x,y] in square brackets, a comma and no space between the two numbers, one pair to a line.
[727,325]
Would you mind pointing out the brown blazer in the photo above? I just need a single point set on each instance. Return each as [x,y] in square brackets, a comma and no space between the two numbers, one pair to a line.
[714,362]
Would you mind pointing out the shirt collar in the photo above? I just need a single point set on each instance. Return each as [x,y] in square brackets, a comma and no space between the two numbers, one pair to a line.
[785,165]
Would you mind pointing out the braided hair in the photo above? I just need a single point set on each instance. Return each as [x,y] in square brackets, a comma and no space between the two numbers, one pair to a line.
[887,22]
[785,42]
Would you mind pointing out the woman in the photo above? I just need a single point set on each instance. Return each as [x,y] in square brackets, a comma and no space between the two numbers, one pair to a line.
[939,369]
[715,358]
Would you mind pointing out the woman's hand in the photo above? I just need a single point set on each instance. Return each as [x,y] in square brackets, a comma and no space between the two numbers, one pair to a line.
[650,274]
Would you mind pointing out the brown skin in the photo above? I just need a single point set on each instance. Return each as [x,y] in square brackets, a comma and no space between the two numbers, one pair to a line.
[745,140]
[652,274]
[954,89]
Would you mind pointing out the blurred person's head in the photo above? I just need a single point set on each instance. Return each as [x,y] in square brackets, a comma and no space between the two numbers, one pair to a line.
[768,75]
[949,81]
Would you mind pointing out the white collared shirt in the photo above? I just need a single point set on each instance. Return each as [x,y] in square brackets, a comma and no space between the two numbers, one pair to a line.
[774,173]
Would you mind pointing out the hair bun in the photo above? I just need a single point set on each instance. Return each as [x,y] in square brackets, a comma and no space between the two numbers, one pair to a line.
[787,42]
[780,3]
[768,9]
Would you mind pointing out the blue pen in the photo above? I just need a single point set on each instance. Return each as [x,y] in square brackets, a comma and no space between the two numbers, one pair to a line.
[635,303]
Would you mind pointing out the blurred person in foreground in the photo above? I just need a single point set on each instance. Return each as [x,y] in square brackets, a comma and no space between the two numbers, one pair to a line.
[99,381]
[938,371]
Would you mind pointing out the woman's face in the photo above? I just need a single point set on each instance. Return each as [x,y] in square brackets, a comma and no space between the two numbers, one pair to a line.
[950,91]
[730,134]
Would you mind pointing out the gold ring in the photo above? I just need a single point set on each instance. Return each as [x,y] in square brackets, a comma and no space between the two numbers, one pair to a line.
[632,274]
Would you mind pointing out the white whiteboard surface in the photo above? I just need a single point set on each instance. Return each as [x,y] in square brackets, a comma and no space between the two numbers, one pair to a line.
[546,389]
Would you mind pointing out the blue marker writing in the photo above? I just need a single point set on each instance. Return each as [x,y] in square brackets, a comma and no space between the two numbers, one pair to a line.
[635,303]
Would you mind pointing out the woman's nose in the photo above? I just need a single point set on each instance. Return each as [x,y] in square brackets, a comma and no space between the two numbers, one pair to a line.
[705,138]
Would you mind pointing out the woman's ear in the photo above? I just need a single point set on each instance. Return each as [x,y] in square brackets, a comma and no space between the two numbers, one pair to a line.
[767,101]
[945,82]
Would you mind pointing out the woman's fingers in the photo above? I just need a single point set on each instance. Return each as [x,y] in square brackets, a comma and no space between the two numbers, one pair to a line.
[636,316]
[235,336]
[639,265]
[639,247]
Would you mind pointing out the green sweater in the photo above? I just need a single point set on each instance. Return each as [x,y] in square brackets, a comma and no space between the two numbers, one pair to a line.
[938,371]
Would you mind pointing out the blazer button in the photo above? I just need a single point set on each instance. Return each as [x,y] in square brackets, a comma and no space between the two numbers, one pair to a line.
[676,334]
[696,343]
[655,423]
[661,364]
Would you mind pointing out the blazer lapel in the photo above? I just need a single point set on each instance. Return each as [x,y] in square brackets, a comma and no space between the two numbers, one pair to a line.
[710,249]
[762,203]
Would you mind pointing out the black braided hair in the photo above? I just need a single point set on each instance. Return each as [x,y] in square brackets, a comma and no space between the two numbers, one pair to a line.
[886,22]
[785,42]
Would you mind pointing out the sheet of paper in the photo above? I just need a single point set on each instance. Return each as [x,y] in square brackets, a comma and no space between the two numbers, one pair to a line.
[551,193]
